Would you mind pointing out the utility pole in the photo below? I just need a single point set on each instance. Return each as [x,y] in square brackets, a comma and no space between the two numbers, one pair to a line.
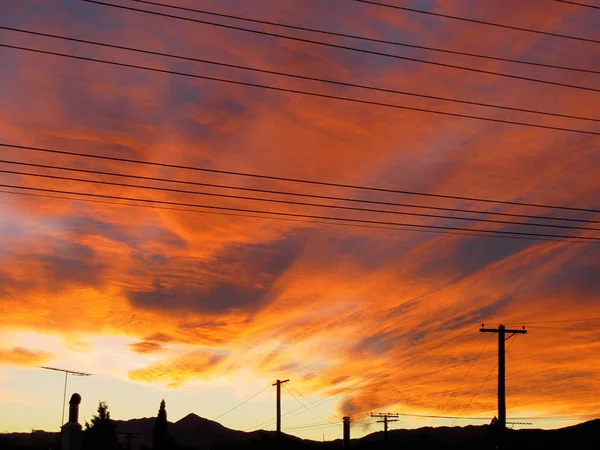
[501,330]
[387,418]
[278,383]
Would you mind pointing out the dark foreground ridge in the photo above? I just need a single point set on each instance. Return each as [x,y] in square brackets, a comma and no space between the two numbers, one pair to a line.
[196,433]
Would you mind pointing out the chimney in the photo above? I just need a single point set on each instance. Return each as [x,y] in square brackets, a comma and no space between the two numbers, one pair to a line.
[71,433]
[346,432]
[74,408]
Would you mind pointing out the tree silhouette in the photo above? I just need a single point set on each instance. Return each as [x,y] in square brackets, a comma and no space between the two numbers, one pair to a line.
[161,430]
[101,432]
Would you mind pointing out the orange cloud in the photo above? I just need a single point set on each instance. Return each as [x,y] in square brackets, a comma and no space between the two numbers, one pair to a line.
[175,371]
[18,356]
[146,347]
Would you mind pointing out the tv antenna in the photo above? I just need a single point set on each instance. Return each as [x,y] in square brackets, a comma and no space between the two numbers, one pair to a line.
[66,372]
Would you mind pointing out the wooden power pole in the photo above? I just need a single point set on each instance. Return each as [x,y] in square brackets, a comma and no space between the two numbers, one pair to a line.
[501,330]
[278,383]
[387,418]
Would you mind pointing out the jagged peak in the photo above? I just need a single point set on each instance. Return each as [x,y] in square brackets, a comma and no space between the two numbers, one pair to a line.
[193,417]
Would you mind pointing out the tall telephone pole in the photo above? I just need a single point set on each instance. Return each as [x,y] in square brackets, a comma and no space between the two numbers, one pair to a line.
[278,383]
[387,418]
[501,330]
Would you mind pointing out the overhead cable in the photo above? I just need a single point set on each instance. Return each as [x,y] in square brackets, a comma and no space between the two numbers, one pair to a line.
[467,19]
[302,77]
[344,47]
[370,39]
[587,239]
[296,180]
[289,193]
[295,203]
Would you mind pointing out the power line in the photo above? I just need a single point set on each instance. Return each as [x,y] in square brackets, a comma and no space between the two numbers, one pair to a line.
[301,92]
[367,419]
[581,319]
[344,47]
[304,406]
[351,36]
[368,39]
[301,395]
[286,219]
[475,394]
[430,356]
[300,77]
[296,180]
[296,203]
[432,416]
[586,239]
[479,389]
[322,425]
[314,424]
[481,22]
[240,404]
[337,394]
[573,417]
[390,370]
[465,375]
[484,382]
[578,4]
[585,329]
[298,392]
[290,193]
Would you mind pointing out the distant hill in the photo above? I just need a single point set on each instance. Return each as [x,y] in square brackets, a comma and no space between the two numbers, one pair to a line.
[36,440]
[585,436]
[197,433]
[192,432]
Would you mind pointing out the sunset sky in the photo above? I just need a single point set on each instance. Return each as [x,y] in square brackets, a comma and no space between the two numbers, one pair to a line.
[206,309]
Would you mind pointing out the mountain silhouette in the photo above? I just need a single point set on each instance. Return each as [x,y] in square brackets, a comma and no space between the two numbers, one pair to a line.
[197,433]
[191,431]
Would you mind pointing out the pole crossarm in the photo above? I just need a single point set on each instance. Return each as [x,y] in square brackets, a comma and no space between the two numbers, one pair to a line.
[496,330]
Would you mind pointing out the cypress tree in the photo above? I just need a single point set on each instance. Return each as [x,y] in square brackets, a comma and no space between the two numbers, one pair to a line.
[161,430]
